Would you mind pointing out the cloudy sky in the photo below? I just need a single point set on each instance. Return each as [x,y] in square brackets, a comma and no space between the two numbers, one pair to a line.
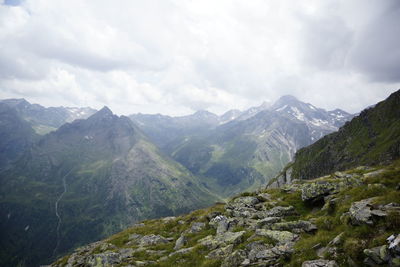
[178,56]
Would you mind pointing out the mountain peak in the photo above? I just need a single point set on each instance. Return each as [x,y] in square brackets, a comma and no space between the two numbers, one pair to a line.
[104,113]
[287,99]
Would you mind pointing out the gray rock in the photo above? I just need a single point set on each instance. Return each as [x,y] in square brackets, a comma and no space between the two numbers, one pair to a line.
[266,222]
[181,251]
[222,240]
[317,190]
[246,201]
[235,259]
[319,263]
[280,212]
[220,223]
[362,212]
[220,253]
[180,242]
[279,236]
[196,227]
[151,240]
[295,226]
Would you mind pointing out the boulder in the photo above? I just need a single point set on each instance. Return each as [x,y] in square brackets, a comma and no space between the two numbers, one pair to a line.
[362,212]
[281,237]
[317,190]
[280,211]
[196,227]
[376,255]
[180,242]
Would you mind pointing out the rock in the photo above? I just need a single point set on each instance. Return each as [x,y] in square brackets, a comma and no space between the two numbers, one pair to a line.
[295,226]
[279,236]
[135,237]
[104,259]
[317,190]
[266,222]
[361,212]
[254,249]
[151,240]
[220,253]
[319,263]
[246,201]
[181,251]
[220,223]
[264,196]
[168,219]
[196,227]
[374,173]
[222,240]
[377,255]
[180,242]
[337,240]
[235,259]
[280,212]
[125,253]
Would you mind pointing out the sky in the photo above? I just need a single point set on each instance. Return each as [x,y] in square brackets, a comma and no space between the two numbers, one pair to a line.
[178,56]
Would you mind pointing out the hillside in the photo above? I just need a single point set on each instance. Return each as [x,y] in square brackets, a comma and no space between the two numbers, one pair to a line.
[16,136]
[84,181]
[342,219]
[371,138]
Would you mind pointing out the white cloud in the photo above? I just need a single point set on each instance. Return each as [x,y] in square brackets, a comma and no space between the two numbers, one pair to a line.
[179,56]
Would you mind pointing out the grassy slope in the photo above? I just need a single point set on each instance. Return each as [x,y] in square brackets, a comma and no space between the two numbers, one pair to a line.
[356,238]
[373,137]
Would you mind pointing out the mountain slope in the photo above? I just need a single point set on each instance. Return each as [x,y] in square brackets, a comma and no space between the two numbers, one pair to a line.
[371,138]
[44,120]
[271,227]
[88,179]
[16,136]
[246,152]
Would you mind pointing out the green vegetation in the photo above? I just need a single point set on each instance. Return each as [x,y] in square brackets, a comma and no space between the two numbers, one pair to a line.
[369,139]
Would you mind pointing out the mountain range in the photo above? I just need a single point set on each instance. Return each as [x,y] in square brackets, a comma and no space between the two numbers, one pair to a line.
[336,204]
[70,176]
[241,151]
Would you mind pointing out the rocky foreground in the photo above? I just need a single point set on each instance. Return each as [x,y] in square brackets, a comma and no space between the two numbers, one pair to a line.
[345,219]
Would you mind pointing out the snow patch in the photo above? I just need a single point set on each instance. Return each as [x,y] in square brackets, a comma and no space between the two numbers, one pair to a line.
[318,122]
[297,113]
[281,108]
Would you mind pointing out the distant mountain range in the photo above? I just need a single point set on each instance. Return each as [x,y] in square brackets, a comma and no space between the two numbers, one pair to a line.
[241,150]
[44,120]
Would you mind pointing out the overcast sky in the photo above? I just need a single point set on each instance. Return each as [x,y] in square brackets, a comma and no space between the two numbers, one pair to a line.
[178,56]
